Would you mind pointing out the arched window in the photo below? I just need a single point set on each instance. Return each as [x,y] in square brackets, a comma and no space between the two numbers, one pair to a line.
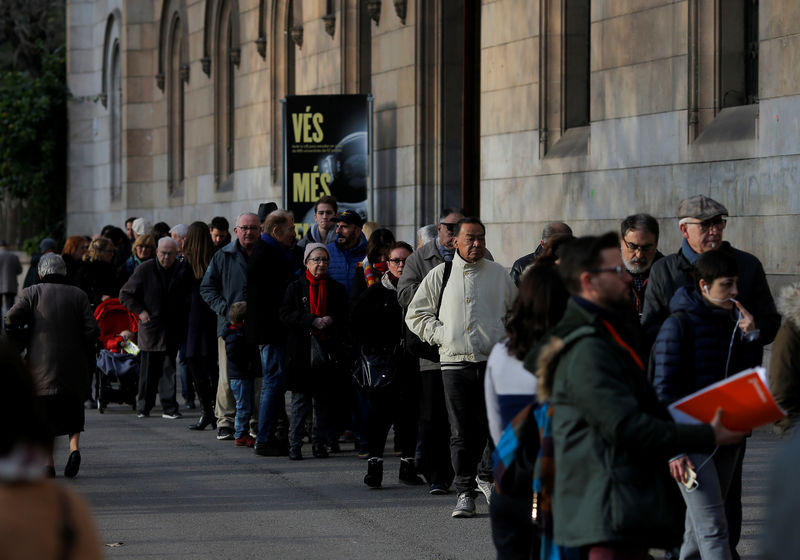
[111,97]
[221,57]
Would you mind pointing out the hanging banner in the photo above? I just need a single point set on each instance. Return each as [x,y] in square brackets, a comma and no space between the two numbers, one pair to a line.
[326,151]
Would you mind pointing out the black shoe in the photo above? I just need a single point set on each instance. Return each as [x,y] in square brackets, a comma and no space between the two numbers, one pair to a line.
[203,422]
[320,451]
[295,454]
[268,450]
[408,472]
[374,475]
[225,433]
[190,405]
[438,489]
[73,464]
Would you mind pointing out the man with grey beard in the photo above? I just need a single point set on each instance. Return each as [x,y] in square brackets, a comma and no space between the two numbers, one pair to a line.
[639,247]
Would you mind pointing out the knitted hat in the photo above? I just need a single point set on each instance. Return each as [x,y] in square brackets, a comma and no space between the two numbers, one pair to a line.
[311,247]
[47,244]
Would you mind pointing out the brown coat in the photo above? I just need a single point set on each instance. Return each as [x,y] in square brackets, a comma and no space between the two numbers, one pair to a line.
[31,522]
[784,365]
[62,336]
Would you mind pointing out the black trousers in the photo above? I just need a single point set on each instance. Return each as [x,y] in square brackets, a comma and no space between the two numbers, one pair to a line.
[205,375]
[433,446]
[470,446]
[398,405]
[157,375]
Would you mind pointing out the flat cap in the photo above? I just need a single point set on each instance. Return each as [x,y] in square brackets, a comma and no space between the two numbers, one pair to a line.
[701,207]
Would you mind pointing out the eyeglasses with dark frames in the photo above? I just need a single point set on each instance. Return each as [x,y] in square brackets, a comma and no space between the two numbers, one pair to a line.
[396,261]
[633,247]
[705,226]
[450,227]
[319,260]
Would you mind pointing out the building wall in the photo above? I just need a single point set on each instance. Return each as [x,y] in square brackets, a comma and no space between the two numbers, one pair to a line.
[642,151]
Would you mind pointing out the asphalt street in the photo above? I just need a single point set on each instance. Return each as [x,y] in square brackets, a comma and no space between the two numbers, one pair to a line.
[158,490]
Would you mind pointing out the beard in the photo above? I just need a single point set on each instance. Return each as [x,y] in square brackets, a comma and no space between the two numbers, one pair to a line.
[637,265]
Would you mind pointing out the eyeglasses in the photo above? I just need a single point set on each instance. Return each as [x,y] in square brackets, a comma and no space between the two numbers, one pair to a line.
[248,228]
[706,226]
[396,261]
[633,247]
[319,260]
[620,270]
[450,227]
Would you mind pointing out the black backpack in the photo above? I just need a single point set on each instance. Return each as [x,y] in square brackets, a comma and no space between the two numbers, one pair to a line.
[418,347]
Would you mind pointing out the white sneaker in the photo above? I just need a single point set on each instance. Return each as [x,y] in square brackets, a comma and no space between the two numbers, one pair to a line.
[465,505]
[486,487]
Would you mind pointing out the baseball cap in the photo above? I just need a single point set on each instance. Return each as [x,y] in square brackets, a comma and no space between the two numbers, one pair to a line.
[349,217]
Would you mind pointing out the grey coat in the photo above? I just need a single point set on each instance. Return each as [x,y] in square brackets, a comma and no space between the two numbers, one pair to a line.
[63,333]
[225,282]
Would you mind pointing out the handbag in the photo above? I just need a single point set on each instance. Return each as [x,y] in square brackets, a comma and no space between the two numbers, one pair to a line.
[375,371]
[117,365]
[321,357]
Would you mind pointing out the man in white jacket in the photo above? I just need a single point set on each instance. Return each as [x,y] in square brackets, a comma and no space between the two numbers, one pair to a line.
[477,295]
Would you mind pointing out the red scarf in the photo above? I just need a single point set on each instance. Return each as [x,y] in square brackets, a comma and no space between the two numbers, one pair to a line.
[317,294]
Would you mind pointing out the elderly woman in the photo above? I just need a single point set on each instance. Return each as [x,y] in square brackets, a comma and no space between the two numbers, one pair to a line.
[314,310]
[75,248]
[98,277]
[378,325]
[144,249]
[61,355]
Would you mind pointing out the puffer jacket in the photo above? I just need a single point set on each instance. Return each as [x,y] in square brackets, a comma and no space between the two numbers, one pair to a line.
[674,271]
[343,263]
[475,302]
[784,366]
[691,350]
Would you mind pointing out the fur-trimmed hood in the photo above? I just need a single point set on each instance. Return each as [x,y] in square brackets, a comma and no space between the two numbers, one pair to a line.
[546,366]
[789,304]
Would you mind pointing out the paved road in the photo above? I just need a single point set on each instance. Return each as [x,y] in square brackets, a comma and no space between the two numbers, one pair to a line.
[166,492]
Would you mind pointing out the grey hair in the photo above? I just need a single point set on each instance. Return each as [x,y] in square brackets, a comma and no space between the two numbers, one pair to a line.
[553,228]
[51,263]
[427,233]
[167,241]
[239,217]
[181,229]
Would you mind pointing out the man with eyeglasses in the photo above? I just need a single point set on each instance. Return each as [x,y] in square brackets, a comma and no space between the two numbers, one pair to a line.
[612,437]
[702,224]
[223,285]
[639,248]
[324,229]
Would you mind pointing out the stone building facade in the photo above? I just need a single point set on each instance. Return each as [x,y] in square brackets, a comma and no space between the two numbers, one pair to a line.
[523,111]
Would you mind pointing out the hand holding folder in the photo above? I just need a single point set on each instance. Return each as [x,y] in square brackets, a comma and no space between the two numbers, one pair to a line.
[744,397]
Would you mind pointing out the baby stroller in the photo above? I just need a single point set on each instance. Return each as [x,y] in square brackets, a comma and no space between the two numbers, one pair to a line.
[116,372]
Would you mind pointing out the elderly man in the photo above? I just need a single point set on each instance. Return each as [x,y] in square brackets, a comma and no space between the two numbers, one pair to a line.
[273,265]
[158,292]
[474,301]
[222,286]
[522,263]
[348,250]
[178,233]
[612,437]
[10,268]
[61,354]
[324,229]
[639,248]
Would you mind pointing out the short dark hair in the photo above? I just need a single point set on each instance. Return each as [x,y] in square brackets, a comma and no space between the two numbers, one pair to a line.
[639,222]
[130,220]
[161,229]
[715,264]
[220,223]
[555,228]
[447,211]
[327,199]
[399,245]
[582,255]
[378,244]
[467,220]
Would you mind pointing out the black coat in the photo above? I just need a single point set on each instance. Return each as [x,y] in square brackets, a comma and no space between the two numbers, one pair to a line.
[97,279]
[269,272]
[167,304]
[201,335]
[297,319]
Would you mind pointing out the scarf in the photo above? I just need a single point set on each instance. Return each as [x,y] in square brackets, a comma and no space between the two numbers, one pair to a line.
[317,294]
[374,272]
[447,254]
[688,252]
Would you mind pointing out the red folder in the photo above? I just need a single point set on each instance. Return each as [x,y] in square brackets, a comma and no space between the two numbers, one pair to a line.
[744,398]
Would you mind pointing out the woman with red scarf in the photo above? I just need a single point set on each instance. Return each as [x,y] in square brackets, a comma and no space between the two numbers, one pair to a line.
[314,306]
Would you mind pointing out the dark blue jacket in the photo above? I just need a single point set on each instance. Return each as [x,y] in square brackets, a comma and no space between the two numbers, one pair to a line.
[344,262]
[244,361]
[691,350]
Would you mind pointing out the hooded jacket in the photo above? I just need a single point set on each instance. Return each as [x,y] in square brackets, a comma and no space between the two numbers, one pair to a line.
[343,263]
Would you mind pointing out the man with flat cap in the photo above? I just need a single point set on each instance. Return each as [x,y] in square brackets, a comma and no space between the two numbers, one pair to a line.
[702,223]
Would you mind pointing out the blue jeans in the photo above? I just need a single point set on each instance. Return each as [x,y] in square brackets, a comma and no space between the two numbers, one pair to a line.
[302,404]
[273,392]
[706,529]
[242,390]
[187,386]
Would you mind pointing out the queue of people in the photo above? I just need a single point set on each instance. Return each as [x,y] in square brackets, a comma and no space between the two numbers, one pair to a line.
[543,390]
